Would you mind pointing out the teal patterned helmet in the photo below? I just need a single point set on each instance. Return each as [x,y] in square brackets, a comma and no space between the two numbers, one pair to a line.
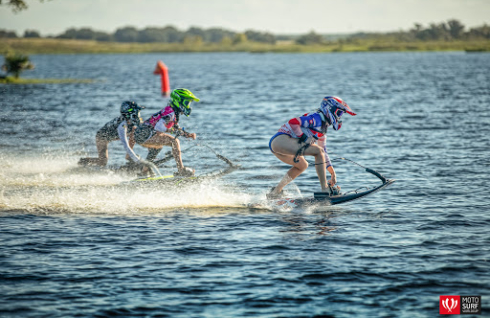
[181,99]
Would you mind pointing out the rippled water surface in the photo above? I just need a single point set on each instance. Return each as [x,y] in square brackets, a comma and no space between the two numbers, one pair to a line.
[77,243]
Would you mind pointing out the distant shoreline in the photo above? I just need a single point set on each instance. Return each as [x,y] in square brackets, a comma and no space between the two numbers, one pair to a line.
[13,80]
[64,46]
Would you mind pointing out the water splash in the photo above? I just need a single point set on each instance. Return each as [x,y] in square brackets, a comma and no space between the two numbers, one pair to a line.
[56,185]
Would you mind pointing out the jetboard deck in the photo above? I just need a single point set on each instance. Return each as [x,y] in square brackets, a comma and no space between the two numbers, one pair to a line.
[326,199]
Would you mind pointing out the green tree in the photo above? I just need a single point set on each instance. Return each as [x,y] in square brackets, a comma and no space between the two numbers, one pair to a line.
[16,63]
[310,38]
[226,40]
[195,40]
[216,35]
[7,34]
[126,34]
[16,5]
[239,38]
[482,32]
[172,34]
[31,34]
[102,36]
[149,35]
[168,34]
[194,31]
[456,29]
[68,34]
[260,37]
[85,34]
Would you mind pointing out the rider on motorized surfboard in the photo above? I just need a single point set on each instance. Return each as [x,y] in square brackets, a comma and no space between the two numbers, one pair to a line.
[306,135]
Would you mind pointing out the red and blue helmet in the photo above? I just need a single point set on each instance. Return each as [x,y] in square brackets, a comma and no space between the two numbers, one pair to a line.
[333,108]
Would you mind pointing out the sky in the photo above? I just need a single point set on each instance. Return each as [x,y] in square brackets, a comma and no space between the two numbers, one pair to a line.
[53,17]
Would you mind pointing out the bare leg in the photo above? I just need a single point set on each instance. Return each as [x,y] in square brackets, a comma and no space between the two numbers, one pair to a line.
[319,155]
[296,169]
[103,150]
[285,149]
[161,139]
[176,153]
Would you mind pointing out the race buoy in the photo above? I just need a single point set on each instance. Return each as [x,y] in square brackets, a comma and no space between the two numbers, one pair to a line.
[162,69]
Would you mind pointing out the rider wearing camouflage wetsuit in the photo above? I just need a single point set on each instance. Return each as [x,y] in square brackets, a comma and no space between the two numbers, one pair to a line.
[120,128]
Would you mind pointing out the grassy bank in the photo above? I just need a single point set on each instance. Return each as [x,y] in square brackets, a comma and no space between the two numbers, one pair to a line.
[13,80]
[57,46]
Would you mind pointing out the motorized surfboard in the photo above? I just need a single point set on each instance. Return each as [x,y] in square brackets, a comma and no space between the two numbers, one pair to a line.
[324,198]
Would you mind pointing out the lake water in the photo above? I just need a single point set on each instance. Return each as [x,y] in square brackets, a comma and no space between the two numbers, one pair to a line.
[74,243]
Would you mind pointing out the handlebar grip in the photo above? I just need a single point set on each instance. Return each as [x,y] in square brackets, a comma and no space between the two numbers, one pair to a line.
[377,174]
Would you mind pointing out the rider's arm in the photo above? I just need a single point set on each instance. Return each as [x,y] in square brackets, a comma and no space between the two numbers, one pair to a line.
[322,142]
[132,142]
[181,132]
[122,132]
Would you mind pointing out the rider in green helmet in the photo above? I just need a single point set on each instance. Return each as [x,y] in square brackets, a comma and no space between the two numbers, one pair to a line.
[156,131]
[180,100]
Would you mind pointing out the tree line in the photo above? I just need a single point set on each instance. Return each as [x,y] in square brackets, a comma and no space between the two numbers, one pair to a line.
[168,34]
[445,31]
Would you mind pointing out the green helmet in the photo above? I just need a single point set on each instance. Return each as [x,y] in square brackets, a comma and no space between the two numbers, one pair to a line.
[181,99]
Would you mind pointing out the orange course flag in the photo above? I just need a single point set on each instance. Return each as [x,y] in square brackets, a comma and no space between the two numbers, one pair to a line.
[162,69]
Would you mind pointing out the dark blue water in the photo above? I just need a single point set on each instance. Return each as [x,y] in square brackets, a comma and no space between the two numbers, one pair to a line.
[76,244]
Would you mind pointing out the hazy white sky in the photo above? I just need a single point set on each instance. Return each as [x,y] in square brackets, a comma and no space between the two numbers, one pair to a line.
[276,16]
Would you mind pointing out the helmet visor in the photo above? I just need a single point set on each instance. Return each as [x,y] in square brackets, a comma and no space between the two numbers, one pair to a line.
[187,111]
[135,118]
[338,113]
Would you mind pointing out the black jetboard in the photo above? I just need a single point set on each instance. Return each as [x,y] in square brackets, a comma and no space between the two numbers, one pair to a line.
[323,198]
